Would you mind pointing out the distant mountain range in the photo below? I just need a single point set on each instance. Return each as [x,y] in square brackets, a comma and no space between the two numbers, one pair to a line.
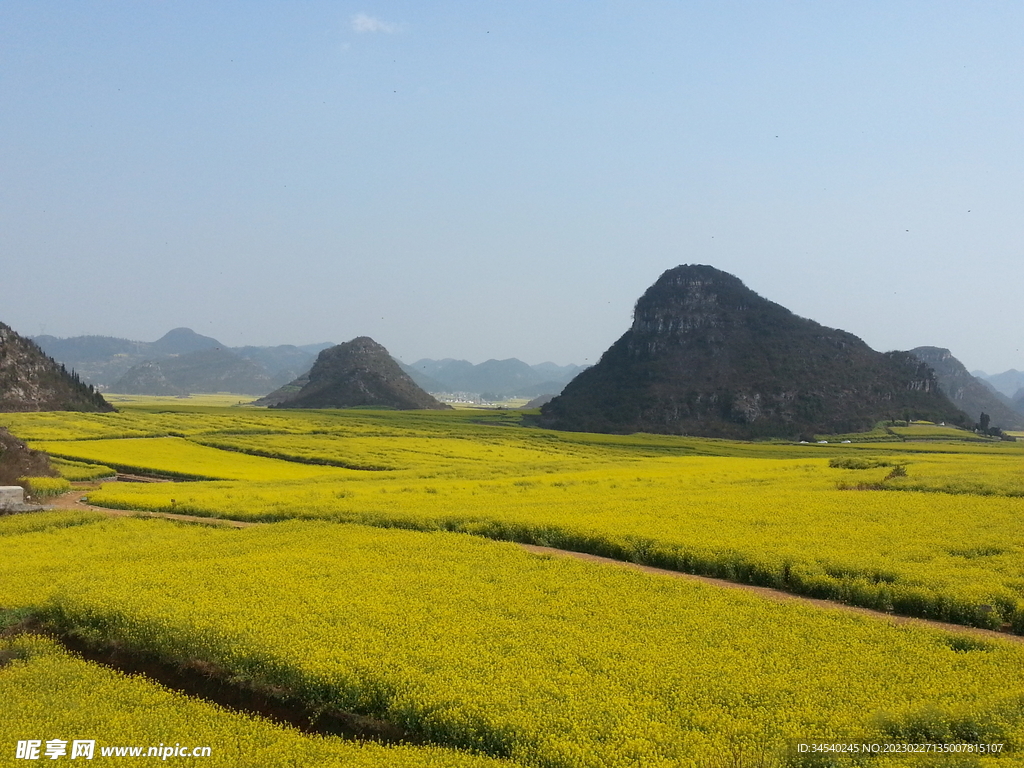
[180,362]
[207,370]
[1008,383]
[493,379]
[183,361]
[1008,387]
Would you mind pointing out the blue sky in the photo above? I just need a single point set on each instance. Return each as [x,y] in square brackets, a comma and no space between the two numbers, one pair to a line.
[497,179]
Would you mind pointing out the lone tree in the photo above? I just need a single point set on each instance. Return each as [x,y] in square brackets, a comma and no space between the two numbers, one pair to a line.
[983,421]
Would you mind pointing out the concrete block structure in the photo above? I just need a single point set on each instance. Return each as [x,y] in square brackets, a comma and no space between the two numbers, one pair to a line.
[11,496]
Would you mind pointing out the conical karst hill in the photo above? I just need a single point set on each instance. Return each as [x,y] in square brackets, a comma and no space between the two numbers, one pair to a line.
[358,373]
[31,381]
[707,356]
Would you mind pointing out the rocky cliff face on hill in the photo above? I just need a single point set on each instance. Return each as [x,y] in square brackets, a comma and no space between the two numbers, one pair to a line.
[707,356]
[358,373]
[31,381]
[967,392]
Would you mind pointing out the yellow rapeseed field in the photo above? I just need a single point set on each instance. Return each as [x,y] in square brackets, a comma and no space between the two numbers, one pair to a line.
[178,457]
[944,538]
[47,695]
[477,644]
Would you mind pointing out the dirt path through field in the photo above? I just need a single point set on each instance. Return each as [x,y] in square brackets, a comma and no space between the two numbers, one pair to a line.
[779,595]
[72,500]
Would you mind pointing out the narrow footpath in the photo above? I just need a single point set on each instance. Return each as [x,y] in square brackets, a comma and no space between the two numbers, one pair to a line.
[73,500]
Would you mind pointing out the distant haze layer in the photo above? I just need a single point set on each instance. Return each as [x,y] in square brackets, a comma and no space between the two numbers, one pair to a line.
[501,180]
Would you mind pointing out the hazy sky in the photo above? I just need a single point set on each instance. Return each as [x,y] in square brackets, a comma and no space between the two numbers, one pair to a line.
[504,179]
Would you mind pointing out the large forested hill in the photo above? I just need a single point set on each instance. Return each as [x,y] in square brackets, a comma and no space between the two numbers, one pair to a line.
[708,356]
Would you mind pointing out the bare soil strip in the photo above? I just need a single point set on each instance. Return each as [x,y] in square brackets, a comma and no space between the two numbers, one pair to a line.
[72,501]
[123,477]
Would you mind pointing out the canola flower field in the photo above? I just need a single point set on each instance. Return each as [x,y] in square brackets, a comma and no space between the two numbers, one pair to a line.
[480,646]
[48,694]
[944,539]
[503,655]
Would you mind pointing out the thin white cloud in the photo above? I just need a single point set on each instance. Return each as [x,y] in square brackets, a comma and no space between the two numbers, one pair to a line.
[363,23]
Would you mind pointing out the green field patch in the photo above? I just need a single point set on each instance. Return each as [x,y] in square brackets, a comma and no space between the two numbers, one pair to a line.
[859,462]
[936,432]
[176,457]
[214,399]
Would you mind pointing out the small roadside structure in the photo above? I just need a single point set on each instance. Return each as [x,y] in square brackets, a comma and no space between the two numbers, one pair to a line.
[11,497]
